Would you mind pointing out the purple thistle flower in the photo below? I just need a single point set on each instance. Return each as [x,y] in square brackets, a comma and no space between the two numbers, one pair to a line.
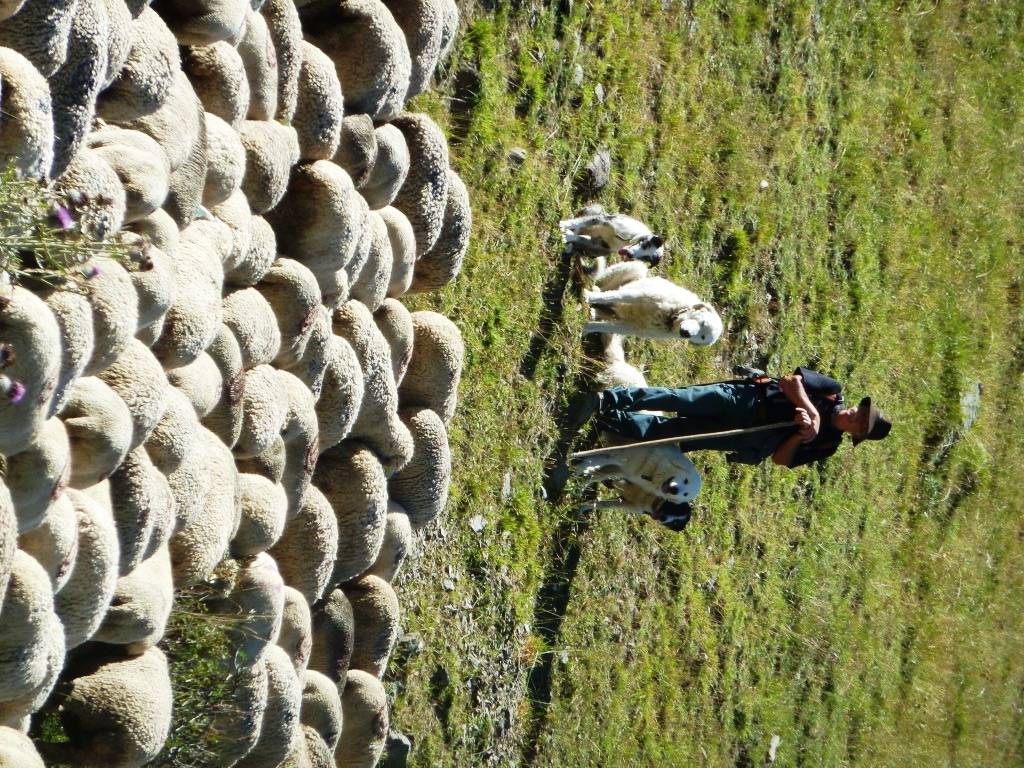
[16,392]
[91,271]
[63,217]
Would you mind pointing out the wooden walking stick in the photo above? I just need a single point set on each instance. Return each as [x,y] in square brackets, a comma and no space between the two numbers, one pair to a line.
[682,439]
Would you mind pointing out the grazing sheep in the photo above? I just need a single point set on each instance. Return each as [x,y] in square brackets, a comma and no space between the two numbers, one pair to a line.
[236,214]
[260,60]
[254,608]
[201,383]
[17,750]
[155,286]
[16,711]
[306,551]
[258,257]
[396,546]
[311,367]
[449,27]
[176,124]
[374,279]
[173,439]
[26,133]
[422,22]
[422,486]
[286,33]
[389,170]
[28,327]
[99,428]
[73,313]
[319,106]
[375,612]
[119,39]
[144,82]
[185,192]
[370,53]
[115,311]
[357,147]
[39,31]
[264,408]
[90,179]
[333,631]
[217,73]
[83,601]
[251,318]
[300,433]
[264,510]
[137,378]
[236,723]
[269,464]
[225,418]
[403,250]
[142,506]
[271,149]
[365,721]
[293,295]
[141,605]
[54,543]
[296,637]
[280,724]
[377,423]
[159,229]
[424,194]
[321,707]
[118,714]
[311,751]
[321,218]
[26,618]
[353,481]
[439,266]
[37,476]
[204,22]
[10,7]
[225,161]
[395,323]
[432,378]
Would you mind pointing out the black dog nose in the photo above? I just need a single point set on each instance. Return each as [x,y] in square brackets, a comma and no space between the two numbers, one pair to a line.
[685,333]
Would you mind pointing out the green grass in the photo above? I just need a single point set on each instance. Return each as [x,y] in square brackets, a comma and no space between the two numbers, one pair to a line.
[867,612]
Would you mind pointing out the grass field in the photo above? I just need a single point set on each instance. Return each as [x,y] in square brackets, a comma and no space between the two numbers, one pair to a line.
[868,613]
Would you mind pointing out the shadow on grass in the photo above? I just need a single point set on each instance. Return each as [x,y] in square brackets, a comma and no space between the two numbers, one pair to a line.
[550,314]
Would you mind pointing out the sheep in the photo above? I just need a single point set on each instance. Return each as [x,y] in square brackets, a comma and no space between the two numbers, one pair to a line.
[17,750]
[201,382]
[99,427]
[310,750]
[39,31]
[264,509]
[119,39]
[28,327]
[90,178]
[260,60]
[395,323]
[142,506]
[26,134]
[353,481]
[422,22]
[449,27]
[432,378]
[10,7]
[26,618]
[118,714]
[311,367]
[285,31]
[365,721]
[217,73]
[75,86]
[321,707]
[264,408]
[73,313]
[87,593]
[439,266]
[173,440]
[280,724]
[253,608]
[16,711]
[321,218]
[342,393]
[141,605]
[115,311]
[137,378]
[204,22]
[176,124]
[357,147]
[8,535]
[375,612]
[236,214]
[422,486]
[333,631]
[225,419]
[319,106]
[235,725]
[158,229]
[377,423]
[396,546]
[306,551]
[271,149]
[225,161]
[186,183]
[37,476]
[144,82]
[424,194]
[252,320]
[292,292]
[374,279]
[269,464]
[389,170]
[258,257]
[403,250]
[154,287]
[300,432]
[54,543]
[296,636]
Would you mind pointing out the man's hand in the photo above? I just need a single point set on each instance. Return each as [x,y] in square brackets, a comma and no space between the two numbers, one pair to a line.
[805,425]
[792,387]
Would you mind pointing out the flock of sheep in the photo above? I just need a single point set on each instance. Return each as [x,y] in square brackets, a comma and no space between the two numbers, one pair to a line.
[245,402]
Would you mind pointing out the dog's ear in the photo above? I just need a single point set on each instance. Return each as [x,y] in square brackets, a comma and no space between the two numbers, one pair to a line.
[655,241]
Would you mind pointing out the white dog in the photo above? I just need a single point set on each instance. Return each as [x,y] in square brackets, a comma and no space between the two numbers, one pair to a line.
[636,501]
[603,233]
[629,301]
[661,470]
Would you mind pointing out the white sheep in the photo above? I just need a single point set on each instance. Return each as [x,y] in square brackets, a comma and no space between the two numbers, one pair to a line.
[253,608]
[39,31]
[333,631]
[251,318]
[449,27]
[154,285]
[185,191]
[225,418]
[285,31]
[176,124]
[159,229]
[396,546]
[258,257]
[365,721]
[374,280]
[139,163]
[389,170]
[115,311]
[141,605]
[395,323]
[30,330]
[236,214]
[26,618]
[173,439]
[375,612]
[422,22]
[353,480]
[16,712]
[421,487]
[217,74]
[8,536]
[369,50]
[311,366]
[264,507]
[83,601]
[236,724]
[321,707]
[264,408]
[144,82]
[439,266]
[201,382]
[403,250]
[271,149]
[10,7]
[280,724]
[142,506]
[54,543]
[225,161]
[306,551]
[270,463]
[310,751]
[37,476]
[294,298]
[17,750]
[119,38]
[435,369]
[319,107]
[73,313]
[357,147]
[204,22]
[260,60]
[137,378]
[99,427]
[296,636]
[90,179]
[424,194]
[300,432]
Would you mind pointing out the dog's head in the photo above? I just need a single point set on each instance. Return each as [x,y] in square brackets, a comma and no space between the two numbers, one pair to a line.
[700,325]
[672,514]
[684,483]
[650,249]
